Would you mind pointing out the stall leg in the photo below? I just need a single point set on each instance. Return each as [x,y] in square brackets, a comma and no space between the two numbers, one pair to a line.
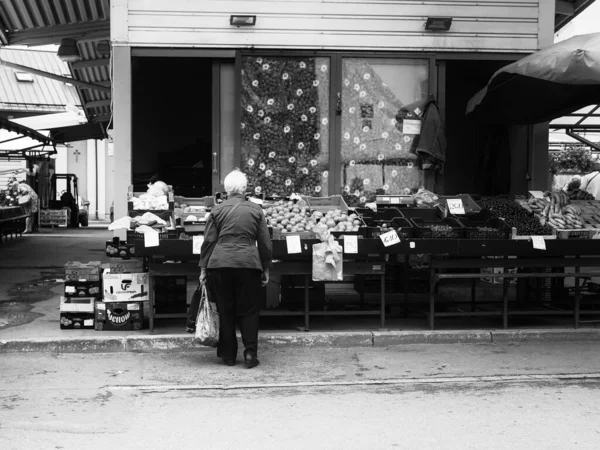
[406,284]
[504,303]
[473,287]
[306,306]
[432,289]
[151,304]
[577,294]
[382,301]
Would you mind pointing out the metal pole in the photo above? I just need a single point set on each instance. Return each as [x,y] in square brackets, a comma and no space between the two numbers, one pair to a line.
[96,169]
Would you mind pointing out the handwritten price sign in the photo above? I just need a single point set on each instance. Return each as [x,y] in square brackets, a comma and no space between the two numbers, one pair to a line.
[455,206]
[389,238]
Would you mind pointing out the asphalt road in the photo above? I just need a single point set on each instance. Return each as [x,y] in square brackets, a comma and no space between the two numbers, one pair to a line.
[536,396]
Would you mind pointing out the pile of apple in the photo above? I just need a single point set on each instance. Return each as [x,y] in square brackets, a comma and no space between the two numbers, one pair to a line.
[291,218]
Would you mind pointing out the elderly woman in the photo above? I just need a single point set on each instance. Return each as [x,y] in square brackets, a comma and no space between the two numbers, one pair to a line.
[235,260]
[29,200]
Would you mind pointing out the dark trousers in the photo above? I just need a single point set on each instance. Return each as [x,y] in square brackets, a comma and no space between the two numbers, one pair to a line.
[237,294]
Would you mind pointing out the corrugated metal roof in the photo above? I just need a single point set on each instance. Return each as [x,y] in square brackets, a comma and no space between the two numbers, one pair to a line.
[32,21]
[41,95]
[25,14]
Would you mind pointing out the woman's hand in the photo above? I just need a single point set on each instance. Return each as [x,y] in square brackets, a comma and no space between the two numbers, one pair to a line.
[202,276]
[264,279]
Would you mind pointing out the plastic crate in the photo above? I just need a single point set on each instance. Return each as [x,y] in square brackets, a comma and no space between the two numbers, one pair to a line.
[426,214]
[325,204]
[169,234]
[423,229]
[497,228]
[382,216]
[278,235]
[164,214]
[384,200]
[403,227]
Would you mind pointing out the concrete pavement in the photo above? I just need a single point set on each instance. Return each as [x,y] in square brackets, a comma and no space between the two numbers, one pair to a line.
[31,269]
[455,396]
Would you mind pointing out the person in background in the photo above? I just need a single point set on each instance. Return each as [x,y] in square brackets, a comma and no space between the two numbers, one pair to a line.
[589,182]
[235,259]
[29,200]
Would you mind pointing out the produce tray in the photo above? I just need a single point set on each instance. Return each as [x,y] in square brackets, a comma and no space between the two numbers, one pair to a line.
[169,234]
[423,229]
[495,229]
[373,218]
[325,204]
[469,204]
[278,235]
[425,214]
[403,227]
[207,201]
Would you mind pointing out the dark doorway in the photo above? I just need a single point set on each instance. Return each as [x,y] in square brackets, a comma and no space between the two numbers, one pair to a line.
[172,123]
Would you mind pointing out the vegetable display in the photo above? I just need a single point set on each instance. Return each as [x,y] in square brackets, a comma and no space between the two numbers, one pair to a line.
[554,209]
[526,223]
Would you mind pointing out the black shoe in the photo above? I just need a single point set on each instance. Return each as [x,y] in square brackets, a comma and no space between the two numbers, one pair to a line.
[229,362]
[251,361]
[190,330]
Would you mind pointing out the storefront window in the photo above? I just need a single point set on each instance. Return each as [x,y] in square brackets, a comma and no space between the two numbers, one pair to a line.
[376,156]
[285,124]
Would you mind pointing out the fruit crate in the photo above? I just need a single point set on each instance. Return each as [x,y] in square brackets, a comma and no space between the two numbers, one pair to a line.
[403,227]
[424,230]
[385,200]
[425,214]
[164,214]
[278,235]
[496,228]
[469,204]
[325,204]
[169,234]
[373,218]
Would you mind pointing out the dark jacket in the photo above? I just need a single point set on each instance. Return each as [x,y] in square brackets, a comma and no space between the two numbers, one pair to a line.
[240,241]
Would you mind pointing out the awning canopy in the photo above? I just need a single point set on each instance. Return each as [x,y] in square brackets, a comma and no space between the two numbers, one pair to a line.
[543,86]
[20,141]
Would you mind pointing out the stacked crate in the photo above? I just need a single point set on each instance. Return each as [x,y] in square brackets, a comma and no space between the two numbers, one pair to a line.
[125,290]
[81,290]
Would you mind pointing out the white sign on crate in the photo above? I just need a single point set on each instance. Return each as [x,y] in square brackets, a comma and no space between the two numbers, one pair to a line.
[389,238]
[293,244]
[151,239]
[197,244]
[350,244]
[455,206]
[538,242]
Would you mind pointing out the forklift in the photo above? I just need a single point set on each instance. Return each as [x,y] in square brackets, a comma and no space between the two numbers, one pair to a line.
[69,199]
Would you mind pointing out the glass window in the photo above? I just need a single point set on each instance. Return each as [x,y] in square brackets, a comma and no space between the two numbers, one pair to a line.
[285,124]
[376,156]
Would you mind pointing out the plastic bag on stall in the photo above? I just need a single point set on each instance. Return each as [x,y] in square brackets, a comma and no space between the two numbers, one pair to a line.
[327,263]
[426,199]
[207,322]
[123,222]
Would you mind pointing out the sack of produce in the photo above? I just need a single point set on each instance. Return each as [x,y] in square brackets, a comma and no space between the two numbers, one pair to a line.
[327,262]
[207,323]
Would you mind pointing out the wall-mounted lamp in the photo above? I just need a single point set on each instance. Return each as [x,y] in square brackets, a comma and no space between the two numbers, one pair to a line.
[438,23]
[242,21]
[68,50]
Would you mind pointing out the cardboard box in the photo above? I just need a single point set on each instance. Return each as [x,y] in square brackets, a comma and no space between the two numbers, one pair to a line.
[83,289]
[119,316]
[90,271]
[133,265]
[123,287]
[77,304]
[76,320]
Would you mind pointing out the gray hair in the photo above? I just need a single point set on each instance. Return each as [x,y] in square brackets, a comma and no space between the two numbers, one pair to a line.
[235,182]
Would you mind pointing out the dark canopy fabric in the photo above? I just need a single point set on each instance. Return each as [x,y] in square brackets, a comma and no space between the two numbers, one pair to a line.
[547,84]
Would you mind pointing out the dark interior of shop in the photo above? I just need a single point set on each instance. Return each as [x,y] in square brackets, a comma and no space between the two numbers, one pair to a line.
[172,123]
[478,158]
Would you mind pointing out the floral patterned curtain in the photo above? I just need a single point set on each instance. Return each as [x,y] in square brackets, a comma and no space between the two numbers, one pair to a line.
[285,124]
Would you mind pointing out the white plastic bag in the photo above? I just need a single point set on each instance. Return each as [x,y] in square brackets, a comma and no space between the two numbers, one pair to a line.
[207,323]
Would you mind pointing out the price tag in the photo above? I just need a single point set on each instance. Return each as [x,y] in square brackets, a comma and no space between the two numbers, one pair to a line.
[396,200]
[70,289]
[151,239]
[389,238]
[197,244]
[88,322]
[293,244]
[538,242]
[411,126]
[412,245]
[350,244]
[455,206]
